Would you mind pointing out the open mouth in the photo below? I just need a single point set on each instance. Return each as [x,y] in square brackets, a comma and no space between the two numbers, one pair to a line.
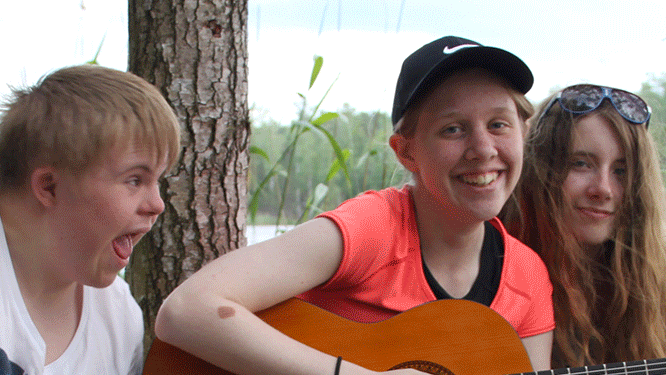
[483,179]
[123,246]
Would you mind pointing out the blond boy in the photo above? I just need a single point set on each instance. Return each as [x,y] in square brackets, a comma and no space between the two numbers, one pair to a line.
[81,154]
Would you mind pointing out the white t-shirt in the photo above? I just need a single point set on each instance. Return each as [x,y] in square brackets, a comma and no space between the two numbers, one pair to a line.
[108,340]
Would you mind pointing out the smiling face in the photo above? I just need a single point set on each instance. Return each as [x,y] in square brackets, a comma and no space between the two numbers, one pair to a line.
[100,215]
[467,150]
[594,187]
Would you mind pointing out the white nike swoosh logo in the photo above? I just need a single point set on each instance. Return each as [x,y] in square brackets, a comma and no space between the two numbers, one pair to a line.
[448,50]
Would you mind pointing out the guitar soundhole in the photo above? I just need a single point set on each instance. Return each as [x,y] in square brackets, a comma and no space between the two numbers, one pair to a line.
[425,366]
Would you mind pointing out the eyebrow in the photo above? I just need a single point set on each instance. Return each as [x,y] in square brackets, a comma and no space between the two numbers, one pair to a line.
[582,153]
[145,168]
[496,110]
[594,156]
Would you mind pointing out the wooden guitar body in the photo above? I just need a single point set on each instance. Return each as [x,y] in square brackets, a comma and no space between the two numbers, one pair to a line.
[442,337]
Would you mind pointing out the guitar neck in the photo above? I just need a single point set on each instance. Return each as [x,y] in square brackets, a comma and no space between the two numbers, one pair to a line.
[647,366]
[443,337]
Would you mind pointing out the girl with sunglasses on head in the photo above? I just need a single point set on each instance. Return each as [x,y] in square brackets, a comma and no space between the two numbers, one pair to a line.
[459,118]
[591,203]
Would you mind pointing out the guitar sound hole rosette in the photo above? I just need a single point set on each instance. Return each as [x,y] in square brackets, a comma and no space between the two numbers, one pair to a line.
[425,366]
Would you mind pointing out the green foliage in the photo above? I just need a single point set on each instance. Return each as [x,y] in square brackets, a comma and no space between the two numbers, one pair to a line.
[654,92]
[319,62]
[318,161]
[316,181]
[99,49]
[258,151]
[275,184]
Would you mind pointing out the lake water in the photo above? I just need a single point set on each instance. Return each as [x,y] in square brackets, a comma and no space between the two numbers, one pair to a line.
[255,233]
[258,233]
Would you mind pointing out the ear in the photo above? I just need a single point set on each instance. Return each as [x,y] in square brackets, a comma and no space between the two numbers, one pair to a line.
[403,150]
[43,182]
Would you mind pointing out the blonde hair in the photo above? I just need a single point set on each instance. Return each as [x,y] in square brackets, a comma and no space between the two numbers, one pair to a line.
[73,115]
[610,308]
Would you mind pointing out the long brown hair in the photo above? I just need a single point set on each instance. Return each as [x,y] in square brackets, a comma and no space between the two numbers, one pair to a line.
[610,307]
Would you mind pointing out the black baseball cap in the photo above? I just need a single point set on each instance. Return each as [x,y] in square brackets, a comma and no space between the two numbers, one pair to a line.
[433,62]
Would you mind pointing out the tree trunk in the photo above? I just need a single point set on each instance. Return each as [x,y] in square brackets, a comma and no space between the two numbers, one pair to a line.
[195,52]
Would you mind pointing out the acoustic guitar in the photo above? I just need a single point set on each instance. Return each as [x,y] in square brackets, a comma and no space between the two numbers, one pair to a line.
[452,337]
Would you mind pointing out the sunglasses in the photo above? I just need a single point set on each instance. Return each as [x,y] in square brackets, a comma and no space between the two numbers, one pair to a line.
[580,99]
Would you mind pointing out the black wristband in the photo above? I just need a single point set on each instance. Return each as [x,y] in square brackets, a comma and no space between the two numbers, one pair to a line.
[337,366]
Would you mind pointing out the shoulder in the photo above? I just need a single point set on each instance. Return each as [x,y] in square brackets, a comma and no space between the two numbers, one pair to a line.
[377,228]
[374,214]
[389,202]
[522,265]
[516,249]
[390,196]
[524,297]
[21,345]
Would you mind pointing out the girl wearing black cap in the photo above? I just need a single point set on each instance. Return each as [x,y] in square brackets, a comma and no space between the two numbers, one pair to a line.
[459,116]
[592,205]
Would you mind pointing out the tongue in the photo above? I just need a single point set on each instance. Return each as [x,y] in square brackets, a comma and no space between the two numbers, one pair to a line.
[123,246]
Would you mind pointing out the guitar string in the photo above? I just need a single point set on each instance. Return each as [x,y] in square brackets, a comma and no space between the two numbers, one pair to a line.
[634,368]
[642,367]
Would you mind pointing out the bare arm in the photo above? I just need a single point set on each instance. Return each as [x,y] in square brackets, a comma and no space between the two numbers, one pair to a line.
[539,349]
[211,314]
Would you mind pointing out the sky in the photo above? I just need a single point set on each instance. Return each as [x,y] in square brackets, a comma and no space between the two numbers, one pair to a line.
[363,43]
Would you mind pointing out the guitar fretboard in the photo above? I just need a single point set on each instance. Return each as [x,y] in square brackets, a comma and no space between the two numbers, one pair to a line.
[647,367]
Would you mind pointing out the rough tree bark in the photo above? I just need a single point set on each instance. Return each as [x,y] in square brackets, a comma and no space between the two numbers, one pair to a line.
[195,52]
